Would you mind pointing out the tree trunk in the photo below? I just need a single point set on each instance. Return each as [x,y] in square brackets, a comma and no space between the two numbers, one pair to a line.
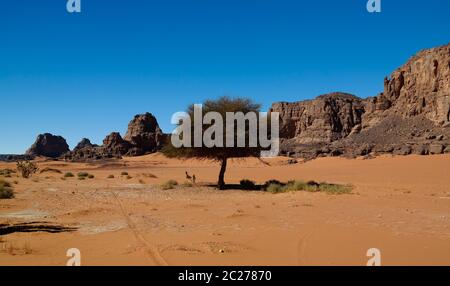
[223,168]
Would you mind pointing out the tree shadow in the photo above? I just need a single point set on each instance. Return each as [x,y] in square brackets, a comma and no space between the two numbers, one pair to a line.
[238,187]
[34,227]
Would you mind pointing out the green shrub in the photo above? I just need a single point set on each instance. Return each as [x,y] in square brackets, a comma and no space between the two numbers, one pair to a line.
[275,189]
[68,175]
[83,175]
[171,184]
[333,189]
[6,190]
[295,186]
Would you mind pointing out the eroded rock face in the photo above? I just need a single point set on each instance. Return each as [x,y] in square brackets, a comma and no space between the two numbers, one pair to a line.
[414,104]
[144,134]
[48,145]
[323,120]
[421,86]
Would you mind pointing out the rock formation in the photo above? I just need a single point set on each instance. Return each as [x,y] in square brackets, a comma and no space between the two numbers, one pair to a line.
[84,143]
[143,136]
[411,116]
[48,145]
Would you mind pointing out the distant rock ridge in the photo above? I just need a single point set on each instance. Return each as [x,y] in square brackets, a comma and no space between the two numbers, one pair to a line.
[143,136]
[410,116]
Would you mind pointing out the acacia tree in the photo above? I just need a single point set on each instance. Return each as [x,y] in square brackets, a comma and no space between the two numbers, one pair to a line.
[221,106]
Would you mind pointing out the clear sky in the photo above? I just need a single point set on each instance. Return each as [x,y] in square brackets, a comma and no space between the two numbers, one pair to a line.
[86,75]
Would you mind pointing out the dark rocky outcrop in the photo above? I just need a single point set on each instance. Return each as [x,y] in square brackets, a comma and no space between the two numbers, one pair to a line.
[49,145]
[143,136]
[84,143]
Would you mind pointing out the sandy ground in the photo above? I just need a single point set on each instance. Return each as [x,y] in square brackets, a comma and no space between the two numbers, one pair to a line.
[400,205]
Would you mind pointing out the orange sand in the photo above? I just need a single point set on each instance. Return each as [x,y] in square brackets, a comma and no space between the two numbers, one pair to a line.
[400,205]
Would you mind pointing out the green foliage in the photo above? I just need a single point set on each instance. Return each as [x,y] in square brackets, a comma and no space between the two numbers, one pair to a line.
[83,175]
[68,175]
[311,186]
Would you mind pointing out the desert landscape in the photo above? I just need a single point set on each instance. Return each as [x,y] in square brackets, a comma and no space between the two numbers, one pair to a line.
[354,110]
[353,174]
[399,205]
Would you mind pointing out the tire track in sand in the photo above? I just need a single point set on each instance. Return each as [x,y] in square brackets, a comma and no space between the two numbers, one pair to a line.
[152,252]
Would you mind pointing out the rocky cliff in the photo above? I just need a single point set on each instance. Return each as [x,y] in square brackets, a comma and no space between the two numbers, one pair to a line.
[411,115]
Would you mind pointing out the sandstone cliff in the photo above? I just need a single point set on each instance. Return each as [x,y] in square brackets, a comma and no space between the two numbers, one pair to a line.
[411,115]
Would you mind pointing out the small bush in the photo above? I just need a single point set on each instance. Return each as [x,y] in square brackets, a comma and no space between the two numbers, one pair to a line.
[91,176]
[311,186]
[275,189]
[336,189]
[6,190]
[171,184]
[68,175]
[110,177]
[27,168]
[124,174]
[83,175]
[248,185]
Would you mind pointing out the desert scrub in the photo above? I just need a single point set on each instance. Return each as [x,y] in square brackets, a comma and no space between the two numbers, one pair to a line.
[6,190]
[248,185]
[171,184]
[27,168]
[110,177]
[124,174]
[275,188]
[68,175]
[311,186]
[85,175]
[333,189]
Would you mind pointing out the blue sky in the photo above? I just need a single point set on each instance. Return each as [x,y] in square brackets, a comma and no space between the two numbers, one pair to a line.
[86,75]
